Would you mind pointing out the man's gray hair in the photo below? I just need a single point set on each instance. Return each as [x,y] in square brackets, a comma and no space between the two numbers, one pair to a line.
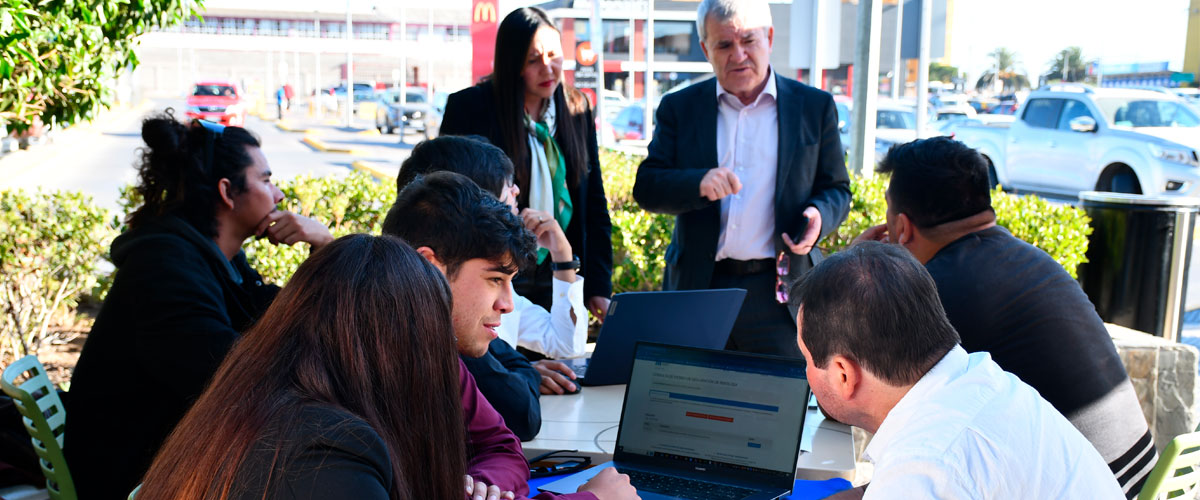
[724,10]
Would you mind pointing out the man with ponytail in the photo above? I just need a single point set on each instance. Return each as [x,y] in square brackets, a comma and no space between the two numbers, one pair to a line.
[181,295]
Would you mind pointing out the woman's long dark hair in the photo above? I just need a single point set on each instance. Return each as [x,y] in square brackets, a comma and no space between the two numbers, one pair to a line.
[174,178]
[364,325]
[513,38]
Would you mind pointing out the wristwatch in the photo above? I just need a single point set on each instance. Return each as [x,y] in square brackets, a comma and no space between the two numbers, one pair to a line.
[571,265]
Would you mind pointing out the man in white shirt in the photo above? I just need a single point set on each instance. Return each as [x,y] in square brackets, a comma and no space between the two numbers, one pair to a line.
[883,356]
[751,164]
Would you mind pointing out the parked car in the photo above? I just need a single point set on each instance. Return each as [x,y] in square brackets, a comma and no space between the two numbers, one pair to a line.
[217,101]
[1003,108]
[895,123]
[1072,138]
[954,111]
[335,97]
[630,123]
[613,103]
[416,115]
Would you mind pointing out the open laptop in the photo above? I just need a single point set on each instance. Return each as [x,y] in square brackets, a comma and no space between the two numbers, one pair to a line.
[705,424]
[697,318]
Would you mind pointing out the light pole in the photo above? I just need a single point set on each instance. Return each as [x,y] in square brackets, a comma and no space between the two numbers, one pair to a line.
[349,66]
[317,96]
[402,86]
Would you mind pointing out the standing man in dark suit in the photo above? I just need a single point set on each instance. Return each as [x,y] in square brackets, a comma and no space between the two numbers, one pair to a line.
[751,164]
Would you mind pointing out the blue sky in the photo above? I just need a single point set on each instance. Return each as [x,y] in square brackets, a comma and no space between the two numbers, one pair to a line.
[1114,31]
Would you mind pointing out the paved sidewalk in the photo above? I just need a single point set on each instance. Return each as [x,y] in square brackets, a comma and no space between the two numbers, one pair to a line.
[367,149]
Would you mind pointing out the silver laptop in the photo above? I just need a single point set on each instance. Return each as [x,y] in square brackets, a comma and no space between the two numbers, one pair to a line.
[707,424]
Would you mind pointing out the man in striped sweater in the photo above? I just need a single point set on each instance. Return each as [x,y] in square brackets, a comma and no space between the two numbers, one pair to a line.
[1011,299]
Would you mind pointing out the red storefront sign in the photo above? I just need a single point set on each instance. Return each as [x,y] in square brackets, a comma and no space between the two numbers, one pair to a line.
[484,21]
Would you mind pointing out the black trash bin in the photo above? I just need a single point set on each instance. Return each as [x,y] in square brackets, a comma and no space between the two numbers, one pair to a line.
[1138,257]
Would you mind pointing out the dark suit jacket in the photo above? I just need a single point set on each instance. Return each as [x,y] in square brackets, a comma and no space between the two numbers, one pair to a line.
[472,111]
[811,172]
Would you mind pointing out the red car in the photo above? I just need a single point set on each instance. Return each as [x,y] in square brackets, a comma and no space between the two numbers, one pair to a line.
[218,101]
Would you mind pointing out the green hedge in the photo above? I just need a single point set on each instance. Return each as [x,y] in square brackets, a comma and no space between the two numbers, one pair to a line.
[640,239]
[53,243]
[51,249]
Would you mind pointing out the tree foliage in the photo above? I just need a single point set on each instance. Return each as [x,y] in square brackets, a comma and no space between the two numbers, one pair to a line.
[1006,64]
[942,72]
[1072,59]
[58,57]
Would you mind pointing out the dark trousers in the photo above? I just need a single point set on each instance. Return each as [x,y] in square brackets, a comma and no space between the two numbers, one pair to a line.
[763,325]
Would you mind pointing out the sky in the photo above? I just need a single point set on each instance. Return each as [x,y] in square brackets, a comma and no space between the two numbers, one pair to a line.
[1113,31]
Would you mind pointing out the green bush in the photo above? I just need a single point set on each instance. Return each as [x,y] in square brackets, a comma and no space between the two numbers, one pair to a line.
[1059,230]
[50,247]
[639,238]
[352,203]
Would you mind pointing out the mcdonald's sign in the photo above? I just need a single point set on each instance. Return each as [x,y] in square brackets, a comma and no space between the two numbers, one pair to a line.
[484,12]
[484,22]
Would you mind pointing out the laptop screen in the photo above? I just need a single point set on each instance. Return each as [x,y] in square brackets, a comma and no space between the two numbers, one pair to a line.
[700,407]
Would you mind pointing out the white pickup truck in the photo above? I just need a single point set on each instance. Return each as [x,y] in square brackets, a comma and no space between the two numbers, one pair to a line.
[1072,138]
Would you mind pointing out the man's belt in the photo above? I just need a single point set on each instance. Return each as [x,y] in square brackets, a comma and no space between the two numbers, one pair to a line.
[743,267]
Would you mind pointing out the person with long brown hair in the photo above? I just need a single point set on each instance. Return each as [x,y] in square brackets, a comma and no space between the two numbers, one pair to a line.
[546,127]
[182,294]
[348,387]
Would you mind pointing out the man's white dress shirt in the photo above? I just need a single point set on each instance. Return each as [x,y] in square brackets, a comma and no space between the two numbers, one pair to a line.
[748,144]
[970,430]
[552,332]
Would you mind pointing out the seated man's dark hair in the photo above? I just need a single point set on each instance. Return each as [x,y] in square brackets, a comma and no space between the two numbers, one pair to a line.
[875,304]
[469,155]
[451,215]
[936,180]
[175,178]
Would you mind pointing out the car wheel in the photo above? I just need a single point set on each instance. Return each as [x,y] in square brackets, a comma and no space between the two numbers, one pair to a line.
[1124,182]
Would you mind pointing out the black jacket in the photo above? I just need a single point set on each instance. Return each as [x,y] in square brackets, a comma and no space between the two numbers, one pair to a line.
[472,111]
[175,308]
[319,451]
[811,171]
[510,383]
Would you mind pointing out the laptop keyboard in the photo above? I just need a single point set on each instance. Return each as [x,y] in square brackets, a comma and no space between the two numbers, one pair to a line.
[684,488]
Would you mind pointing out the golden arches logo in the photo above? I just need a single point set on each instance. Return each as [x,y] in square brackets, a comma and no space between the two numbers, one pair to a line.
[485,12]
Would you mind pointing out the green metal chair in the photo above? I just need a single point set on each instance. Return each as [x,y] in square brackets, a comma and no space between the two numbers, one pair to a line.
[45,419]
[1177,473]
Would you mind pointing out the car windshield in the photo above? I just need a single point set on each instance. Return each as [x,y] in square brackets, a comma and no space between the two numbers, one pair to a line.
[887,118]
[1143,112]
[213,90]
[416,97]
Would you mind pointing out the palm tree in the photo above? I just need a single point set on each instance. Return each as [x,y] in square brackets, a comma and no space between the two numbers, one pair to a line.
[1070,59]
[1005,62]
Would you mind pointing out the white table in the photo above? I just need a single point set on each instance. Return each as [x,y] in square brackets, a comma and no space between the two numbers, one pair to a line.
[588,422]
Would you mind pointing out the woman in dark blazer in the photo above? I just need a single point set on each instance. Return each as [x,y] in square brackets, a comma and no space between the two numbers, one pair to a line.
[546,128]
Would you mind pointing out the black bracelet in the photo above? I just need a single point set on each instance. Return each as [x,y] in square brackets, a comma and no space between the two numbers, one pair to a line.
[571,265]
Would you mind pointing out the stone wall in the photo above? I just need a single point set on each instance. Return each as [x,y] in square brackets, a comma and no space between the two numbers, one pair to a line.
[1164,375]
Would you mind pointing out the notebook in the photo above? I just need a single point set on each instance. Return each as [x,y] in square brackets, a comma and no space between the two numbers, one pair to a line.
[707,424]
